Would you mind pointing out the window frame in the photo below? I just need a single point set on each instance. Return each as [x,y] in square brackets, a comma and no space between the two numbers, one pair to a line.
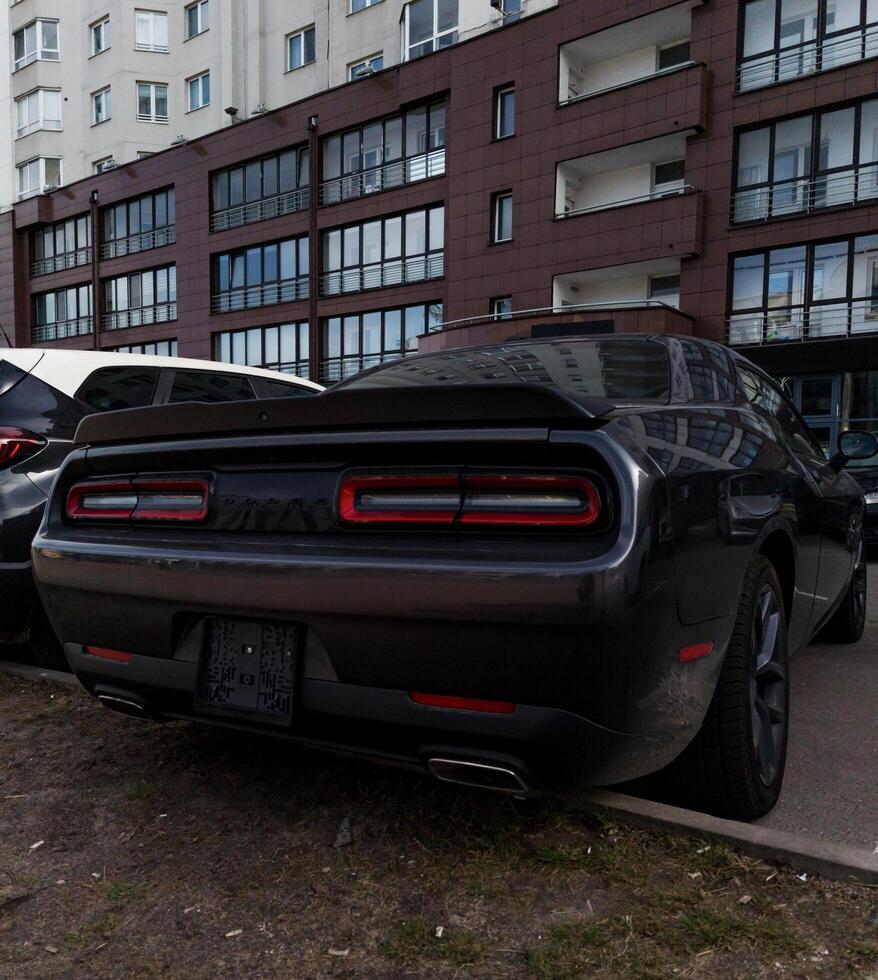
[237,265]
[43,185]
[436,37]
[366,4]
[497,200]
[102,25]
[202,11]
[110,214]
[41,51]
[223,178]
[496,303]
[81,293]
[226,341]
[153,117]
[155,17]
[499,93]
[301,33]
[42,118]
[366,62]
[109,290]
[105,97]
[199,81]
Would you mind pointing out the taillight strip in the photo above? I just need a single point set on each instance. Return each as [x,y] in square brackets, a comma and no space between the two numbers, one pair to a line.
[421,499]
[16,445]
[139,500]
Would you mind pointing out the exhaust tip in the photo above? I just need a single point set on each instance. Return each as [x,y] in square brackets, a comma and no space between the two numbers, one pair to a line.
[478,774]
[124,706]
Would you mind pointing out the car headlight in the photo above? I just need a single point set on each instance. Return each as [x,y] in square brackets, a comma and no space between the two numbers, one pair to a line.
[872,498]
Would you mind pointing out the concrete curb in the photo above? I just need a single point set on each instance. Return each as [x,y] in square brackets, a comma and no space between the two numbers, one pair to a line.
[32,673]
[839,862]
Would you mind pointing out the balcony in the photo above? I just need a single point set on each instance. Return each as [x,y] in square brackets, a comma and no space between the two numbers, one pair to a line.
[803,195]
[141,316]
[558,322]
[62,330]
[823,322]
[634,283]
[67,260]
[808,58]
[399,272]
[141,242]
[628,53]
[390,175]
[271,207]
[646,171]
[265,294]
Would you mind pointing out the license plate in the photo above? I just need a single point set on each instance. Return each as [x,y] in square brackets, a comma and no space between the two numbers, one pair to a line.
[248,670]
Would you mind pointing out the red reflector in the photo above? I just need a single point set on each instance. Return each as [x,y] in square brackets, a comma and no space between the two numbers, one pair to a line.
[463,704]
[117,655]
[695,652]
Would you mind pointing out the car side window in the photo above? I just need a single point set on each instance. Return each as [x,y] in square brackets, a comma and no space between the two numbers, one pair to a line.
[205,386]
[278,389]
[766,396]
[112,388]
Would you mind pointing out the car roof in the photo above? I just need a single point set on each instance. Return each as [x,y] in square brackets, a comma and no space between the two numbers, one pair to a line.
[65,370]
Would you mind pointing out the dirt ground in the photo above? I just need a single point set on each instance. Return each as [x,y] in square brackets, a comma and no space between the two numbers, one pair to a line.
[131,850]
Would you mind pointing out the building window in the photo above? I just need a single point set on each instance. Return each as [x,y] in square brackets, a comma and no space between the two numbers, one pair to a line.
[63,245]
[143,154]
[198,91]
[152,102]
[101,106]
[151,31]
[36,42]
[783,40]
[362,4]
[277,348]
[361,340]
[427,26]
[665,289]
[504,112]
[40,109]
[511,11]
[62,313]
[668,178]
[502,217]
[501,307]
[673,55]
[261,189]
[38,176]
[136,226]
[160,348]
[368,66]
[261,276]
[301,49]
[388,252]
[100,36]
[103,164]
[384,154]
[821,160]
[803,292]
[197,18]
[140,298]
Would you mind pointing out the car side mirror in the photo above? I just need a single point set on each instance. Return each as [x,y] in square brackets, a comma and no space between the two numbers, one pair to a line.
[854,444]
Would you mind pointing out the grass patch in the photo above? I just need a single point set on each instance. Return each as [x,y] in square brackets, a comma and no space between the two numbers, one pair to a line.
[125,891]
[415,941]
[97,927]
[570,950]
[140,789]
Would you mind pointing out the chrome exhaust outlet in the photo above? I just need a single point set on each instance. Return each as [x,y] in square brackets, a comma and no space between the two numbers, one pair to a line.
[124,706]
[478,774]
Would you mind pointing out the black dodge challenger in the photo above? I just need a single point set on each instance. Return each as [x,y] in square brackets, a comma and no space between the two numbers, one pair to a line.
[528,567]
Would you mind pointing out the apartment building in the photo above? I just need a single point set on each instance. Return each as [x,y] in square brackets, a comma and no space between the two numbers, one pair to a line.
[702,169]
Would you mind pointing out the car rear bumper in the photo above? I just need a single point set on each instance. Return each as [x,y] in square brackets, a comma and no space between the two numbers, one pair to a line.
[17,598]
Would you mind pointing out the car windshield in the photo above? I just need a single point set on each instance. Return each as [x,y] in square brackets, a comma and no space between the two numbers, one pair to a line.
[608,367]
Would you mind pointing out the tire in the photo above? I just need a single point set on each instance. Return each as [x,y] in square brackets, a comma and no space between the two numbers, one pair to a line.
[45,647]
[735,764]
[849,621]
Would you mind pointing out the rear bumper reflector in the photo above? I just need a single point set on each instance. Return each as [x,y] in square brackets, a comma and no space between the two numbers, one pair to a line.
[117,656]
[696,652]
[463,704]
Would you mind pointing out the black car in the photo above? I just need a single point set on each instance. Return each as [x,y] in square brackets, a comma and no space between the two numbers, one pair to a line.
[44,395]
[527,567]
[867,477]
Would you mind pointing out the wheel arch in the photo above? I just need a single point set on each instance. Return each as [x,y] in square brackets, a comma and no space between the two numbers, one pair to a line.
[777,546]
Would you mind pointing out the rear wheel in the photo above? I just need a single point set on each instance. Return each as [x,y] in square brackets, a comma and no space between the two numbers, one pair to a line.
[45,646]
[849,620]
[735,764]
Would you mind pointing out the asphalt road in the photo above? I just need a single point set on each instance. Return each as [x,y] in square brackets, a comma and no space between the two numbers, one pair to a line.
[831,785]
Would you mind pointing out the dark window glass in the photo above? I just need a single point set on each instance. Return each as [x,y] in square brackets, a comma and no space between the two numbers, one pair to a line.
[667,173]
[202,386]
[675,54]
[113,388]
[277,389]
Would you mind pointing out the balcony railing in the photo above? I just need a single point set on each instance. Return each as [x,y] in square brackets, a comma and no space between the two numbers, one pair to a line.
[57,263]
[151,117]
[267,294]
[396,174]
[640,199]
[270,207]
[809,58]
[826,321]
[141,316]
[79,327]
[840,189]
[399,272]
[631,81]
[141,242]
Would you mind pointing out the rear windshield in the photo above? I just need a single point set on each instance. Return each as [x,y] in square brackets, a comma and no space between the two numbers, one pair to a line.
[613,368]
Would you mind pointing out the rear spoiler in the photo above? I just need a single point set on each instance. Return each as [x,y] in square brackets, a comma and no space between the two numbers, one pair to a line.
[347,409]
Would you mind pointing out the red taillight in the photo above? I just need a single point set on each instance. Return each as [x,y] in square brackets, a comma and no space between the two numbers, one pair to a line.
[117,656]
[536,500]
[17,444]
[139,500]
[696,652]
[463,704]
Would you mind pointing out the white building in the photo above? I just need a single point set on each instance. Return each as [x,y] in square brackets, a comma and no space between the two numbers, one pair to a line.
[98,83]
